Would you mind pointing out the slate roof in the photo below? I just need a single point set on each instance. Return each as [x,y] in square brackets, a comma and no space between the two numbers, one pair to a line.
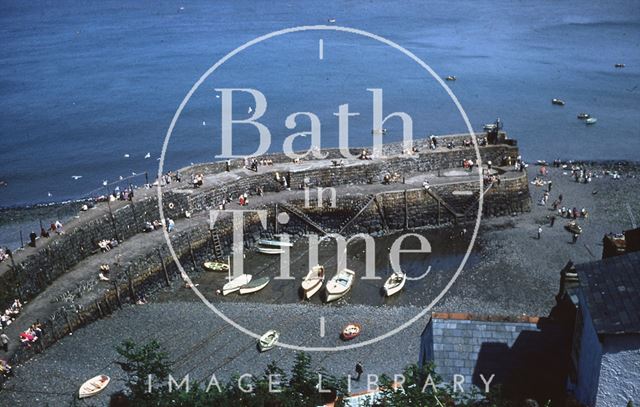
[520,351]
[611,288]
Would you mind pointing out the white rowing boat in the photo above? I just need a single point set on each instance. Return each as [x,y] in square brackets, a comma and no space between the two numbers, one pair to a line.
[235,284]
[313,281]
[93,386]
[270,250]
[276,243]
[255,285]
[339,285]
[394,283]
[268,340]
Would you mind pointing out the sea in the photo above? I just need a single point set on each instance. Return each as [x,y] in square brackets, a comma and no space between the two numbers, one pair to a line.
[88,89]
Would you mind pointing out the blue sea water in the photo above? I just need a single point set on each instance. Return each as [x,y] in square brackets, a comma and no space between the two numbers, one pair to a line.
[83,84]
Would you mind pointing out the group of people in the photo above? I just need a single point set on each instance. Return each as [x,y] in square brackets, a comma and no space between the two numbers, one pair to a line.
[197,180]
[31,335]
[157,224]
[55,227]
[10,314]
[105,244]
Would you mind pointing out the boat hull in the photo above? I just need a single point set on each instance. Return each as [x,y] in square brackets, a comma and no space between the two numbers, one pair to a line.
[235,284]
[336,289]
[268,340]
[255,286]
[392,286]
[93,386]
[270,250]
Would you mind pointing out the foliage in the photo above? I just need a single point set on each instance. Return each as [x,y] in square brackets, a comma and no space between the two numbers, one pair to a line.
[422,387]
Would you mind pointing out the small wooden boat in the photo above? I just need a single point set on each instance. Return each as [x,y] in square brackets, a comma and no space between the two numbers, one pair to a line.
[583,116]
[255,285]
[591,120]
[339,285]
[350,331]
[215,266]
[313,281]
[394,283]
[93,386]
[268,340]
[619,65]
[558,102]
[276,243]
[573,227]
[450,78]
[235,284]
[270,250]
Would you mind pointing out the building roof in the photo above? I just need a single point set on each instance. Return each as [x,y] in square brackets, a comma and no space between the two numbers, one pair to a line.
[519,350]
[611,288]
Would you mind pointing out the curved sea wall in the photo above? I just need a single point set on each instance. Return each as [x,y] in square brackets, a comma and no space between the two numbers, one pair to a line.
[374,213]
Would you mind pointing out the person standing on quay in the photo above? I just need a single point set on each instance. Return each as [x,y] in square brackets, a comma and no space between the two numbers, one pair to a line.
[539,232]
[359,370]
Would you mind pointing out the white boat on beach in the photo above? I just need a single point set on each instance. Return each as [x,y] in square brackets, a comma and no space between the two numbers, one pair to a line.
[235,284]
[270,250]
[276,243]
[268,340]
[313,281]
[93,386]
[255,285]
[339,285]
[394,284]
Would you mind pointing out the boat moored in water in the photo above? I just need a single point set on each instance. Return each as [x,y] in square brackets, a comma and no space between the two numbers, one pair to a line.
[591,120]
[619,65]
[558,102]
[583,116]
[451,78]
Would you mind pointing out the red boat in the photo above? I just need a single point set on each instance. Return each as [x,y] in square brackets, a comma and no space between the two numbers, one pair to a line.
[351,331]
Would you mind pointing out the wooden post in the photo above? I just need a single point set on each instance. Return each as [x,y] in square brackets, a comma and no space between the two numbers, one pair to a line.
[66,317]
[406,211]
[115,285]
[276,220]
[164,268]
[132,292]
[99,309]
[193,257]
[21,239]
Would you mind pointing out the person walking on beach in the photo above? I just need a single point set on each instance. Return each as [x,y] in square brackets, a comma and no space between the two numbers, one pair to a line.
[539,232]
[549,185]
[553,220]
[359,370]
[575,238]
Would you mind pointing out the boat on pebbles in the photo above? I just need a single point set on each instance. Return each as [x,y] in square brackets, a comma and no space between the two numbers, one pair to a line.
[313,281]
[394,283]
[93,386]
[235,284]
[350,331]
[339,285]
[254,285]
[268,340]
